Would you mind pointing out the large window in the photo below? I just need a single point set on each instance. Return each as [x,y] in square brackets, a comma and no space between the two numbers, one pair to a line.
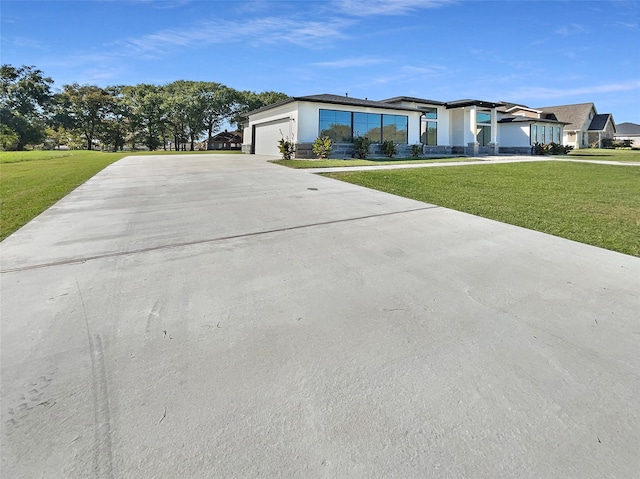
[534,134]
[483,136]
[336,125]
[429,133]
[367,125]
[482,117]
[342,126]
[396,128]
[483,125]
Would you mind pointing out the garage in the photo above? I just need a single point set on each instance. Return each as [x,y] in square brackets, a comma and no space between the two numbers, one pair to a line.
[267,135]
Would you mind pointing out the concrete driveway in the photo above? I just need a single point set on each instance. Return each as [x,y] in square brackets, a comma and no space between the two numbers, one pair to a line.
[219,316]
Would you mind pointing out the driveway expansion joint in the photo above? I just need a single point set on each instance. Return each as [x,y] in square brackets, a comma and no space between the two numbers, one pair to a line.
[204,241]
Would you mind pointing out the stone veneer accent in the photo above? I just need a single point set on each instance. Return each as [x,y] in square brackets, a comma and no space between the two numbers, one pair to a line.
[515,150]
[345,150]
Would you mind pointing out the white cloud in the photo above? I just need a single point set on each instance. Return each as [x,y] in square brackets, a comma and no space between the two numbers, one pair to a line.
[23,42]
[362,8]
[544,93]
[350,62]
[254,32]
[572,29]
[629,25]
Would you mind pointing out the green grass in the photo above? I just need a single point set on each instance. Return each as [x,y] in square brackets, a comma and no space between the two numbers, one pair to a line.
[605,154]
[31,181]
[590,203]
[372,162]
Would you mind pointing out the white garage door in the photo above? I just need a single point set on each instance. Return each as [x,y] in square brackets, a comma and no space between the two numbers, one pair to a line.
[267,136]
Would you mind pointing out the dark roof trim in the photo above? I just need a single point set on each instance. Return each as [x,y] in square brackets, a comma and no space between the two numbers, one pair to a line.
[413,99]
[335,100]
[526,119]
[468,102]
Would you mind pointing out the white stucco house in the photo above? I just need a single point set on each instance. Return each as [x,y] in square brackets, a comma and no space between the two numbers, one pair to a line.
[470,127]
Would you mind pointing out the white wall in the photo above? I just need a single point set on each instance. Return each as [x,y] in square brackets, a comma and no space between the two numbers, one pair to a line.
[288,111]
[513,134]
[456,122]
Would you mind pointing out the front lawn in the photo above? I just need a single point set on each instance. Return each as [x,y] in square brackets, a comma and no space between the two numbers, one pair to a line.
[372,162]
[31,181]
[591,203]
[605,154]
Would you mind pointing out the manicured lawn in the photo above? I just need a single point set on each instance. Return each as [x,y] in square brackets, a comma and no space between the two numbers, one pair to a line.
[372,162]
[31,181]
[605,154]
[591,203]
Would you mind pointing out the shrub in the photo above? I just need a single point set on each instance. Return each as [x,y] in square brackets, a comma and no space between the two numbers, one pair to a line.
[538,149]
[361,147]
[286,147]
[322,147]
[551,149]
[607,143]
[389,148]
[416,150]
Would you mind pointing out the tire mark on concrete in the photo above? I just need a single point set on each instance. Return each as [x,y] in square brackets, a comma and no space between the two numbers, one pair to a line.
[211,240]
[103,448]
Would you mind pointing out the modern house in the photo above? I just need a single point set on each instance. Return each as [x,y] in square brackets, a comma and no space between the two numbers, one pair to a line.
[628,132]
[584,126]
[471,127]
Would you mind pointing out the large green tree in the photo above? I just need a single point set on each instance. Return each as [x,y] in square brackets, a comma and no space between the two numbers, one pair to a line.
[25,100]
[88,107]
[148,115]
[247,101]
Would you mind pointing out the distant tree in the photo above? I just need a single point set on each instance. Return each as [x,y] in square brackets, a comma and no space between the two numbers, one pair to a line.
[87,106]
[247,101]
[25,98]
[8,138]
[218,102]
[147,115]
[175,105]
[115,124]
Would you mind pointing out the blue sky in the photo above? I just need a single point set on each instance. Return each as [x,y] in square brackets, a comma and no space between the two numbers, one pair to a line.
[538,53]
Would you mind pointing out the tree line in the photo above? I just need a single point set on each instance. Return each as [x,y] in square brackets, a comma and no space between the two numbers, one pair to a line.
[79,116]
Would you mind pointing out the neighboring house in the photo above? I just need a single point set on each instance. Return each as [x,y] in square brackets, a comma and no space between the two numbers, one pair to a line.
[629,132]
[520,125]
[226,140]
[469,127]
[584,126]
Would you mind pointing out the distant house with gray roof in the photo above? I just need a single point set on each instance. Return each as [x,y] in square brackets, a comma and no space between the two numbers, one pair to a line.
[629,132]
[584,126]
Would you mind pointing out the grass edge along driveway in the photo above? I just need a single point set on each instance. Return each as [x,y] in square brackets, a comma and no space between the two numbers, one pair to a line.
[32,181]
[590,203]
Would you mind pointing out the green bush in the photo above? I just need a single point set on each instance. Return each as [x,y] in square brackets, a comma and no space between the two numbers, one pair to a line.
[286,147]
[551,149]
[416,150]
[538,149]
[322,147]
[361,147]
[389,148]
